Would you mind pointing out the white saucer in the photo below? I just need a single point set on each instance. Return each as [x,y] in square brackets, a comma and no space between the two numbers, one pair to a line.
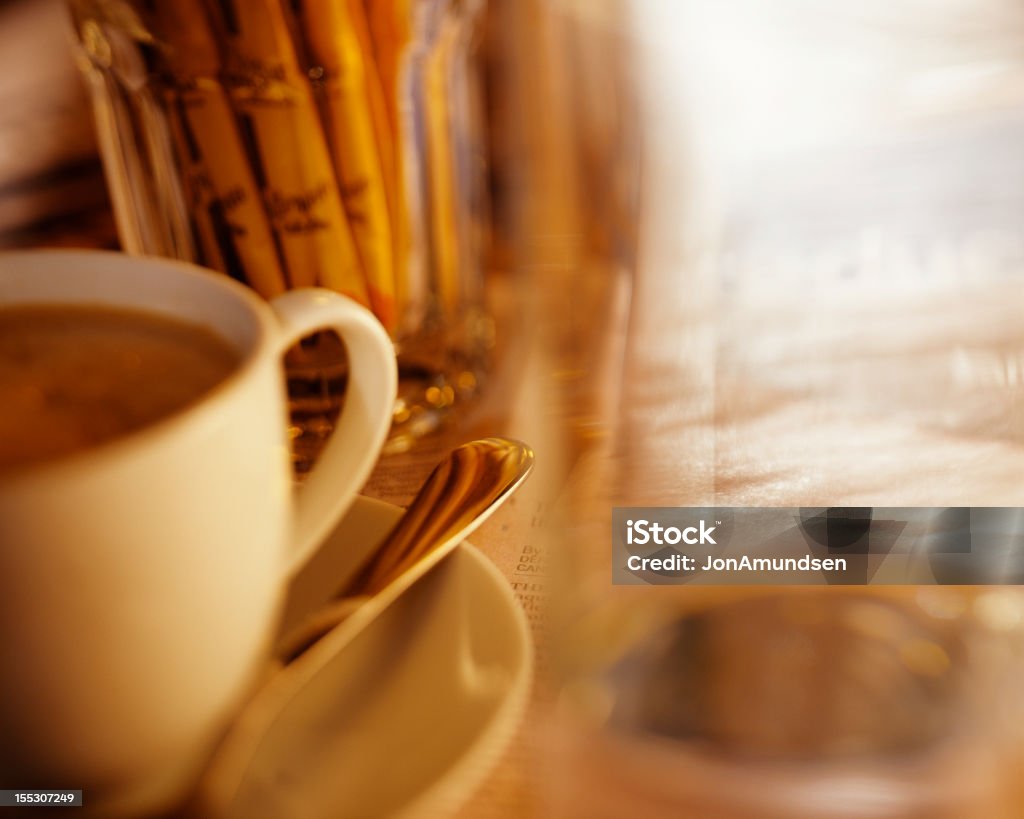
[404,717]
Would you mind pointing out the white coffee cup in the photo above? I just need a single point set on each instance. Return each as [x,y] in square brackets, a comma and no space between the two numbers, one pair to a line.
[141,578]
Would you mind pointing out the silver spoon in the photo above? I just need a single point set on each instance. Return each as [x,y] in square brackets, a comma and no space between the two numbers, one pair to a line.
[460,494]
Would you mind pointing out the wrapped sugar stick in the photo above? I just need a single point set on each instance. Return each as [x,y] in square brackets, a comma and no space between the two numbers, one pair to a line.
[385,33]
[418,295]
[225,202]
[390,25]
[467,129]
[346,82]
[442,207]
[387,142]
[380,98]
[147,202]
[204,214]
[389,29]
[285,146]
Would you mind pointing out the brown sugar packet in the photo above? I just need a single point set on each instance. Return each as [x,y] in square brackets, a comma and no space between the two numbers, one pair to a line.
[225,202]
[285,145]
[337,43]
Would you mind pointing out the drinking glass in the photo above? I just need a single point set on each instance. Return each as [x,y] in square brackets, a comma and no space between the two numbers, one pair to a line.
[794,703]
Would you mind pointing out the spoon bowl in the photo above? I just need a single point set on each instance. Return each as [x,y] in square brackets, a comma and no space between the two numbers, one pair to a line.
[460,494]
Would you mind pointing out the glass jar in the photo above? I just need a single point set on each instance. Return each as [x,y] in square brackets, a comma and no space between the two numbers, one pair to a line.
[290,144]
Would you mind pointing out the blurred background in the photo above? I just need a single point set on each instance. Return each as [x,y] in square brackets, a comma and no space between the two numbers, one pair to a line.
[755,252]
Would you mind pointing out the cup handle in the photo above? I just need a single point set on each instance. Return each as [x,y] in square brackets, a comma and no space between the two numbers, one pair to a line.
[352,449]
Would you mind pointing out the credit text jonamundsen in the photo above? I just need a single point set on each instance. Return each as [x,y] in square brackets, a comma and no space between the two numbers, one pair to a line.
[642,532]
[744,563]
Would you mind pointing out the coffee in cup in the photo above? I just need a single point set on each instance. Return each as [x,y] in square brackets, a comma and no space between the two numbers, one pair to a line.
[78,376]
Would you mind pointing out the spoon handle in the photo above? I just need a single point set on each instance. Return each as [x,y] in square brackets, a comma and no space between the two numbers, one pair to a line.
[456,498]
[475,476]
